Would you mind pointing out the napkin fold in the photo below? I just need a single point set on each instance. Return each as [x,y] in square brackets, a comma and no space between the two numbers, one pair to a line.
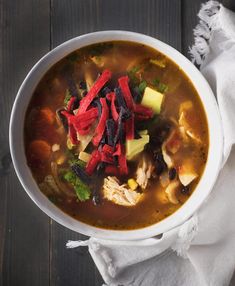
[201,251]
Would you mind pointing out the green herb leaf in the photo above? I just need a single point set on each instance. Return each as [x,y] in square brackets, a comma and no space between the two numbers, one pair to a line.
[142,86]
[134,69]
[156,82]
[162,87]
[67,97]
[82,191]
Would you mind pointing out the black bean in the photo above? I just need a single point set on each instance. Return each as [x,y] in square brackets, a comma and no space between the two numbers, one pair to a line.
[172,173]
[159,167]
[82,85]
[160,164]
[158,156]
[185,190]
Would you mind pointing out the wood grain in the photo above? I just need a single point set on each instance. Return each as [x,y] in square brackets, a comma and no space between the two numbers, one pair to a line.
[24,231]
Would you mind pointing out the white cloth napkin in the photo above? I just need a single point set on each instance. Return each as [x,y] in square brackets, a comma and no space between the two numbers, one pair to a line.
[201,252]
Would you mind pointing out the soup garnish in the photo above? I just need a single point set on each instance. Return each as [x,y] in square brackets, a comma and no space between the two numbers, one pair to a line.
[116,135]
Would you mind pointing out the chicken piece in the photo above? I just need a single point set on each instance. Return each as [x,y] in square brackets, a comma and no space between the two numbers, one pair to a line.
[164,179]
[174,141]
[144,172]
[166,157]
[186,105]
[171,192]
[187,173]
[187,119]
[99,61]
[119,194]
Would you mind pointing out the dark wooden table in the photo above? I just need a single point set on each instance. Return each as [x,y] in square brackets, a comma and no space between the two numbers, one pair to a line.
[32,246]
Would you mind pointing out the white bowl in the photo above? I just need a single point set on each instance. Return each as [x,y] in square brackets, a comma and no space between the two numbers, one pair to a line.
[17,137]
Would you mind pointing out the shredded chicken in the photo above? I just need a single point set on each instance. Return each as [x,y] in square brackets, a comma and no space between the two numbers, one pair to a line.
[166,157]
[144,172]
[119,194]
[185,121]
[171,192]
[187,172]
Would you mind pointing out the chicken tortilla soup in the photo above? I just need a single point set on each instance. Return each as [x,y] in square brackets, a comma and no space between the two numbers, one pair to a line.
[116,135]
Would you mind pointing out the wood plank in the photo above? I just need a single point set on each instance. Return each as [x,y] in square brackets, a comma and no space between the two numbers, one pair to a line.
[73,18]
[151,17]
[24,231]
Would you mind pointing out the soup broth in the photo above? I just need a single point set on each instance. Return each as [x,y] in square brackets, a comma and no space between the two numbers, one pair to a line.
[116,135]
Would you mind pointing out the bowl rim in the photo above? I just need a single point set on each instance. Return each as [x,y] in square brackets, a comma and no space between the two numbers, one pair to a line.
[23,172]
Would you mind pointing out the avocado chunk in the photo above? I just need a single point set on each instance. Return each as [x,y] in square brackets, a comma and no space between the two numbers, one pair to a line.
[152,99]
[135,146]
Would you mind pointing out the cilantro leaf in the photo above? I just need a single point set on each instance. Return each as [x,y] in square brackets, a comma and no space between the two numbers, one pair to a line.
[67,97]
[142,86]
[82,191]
